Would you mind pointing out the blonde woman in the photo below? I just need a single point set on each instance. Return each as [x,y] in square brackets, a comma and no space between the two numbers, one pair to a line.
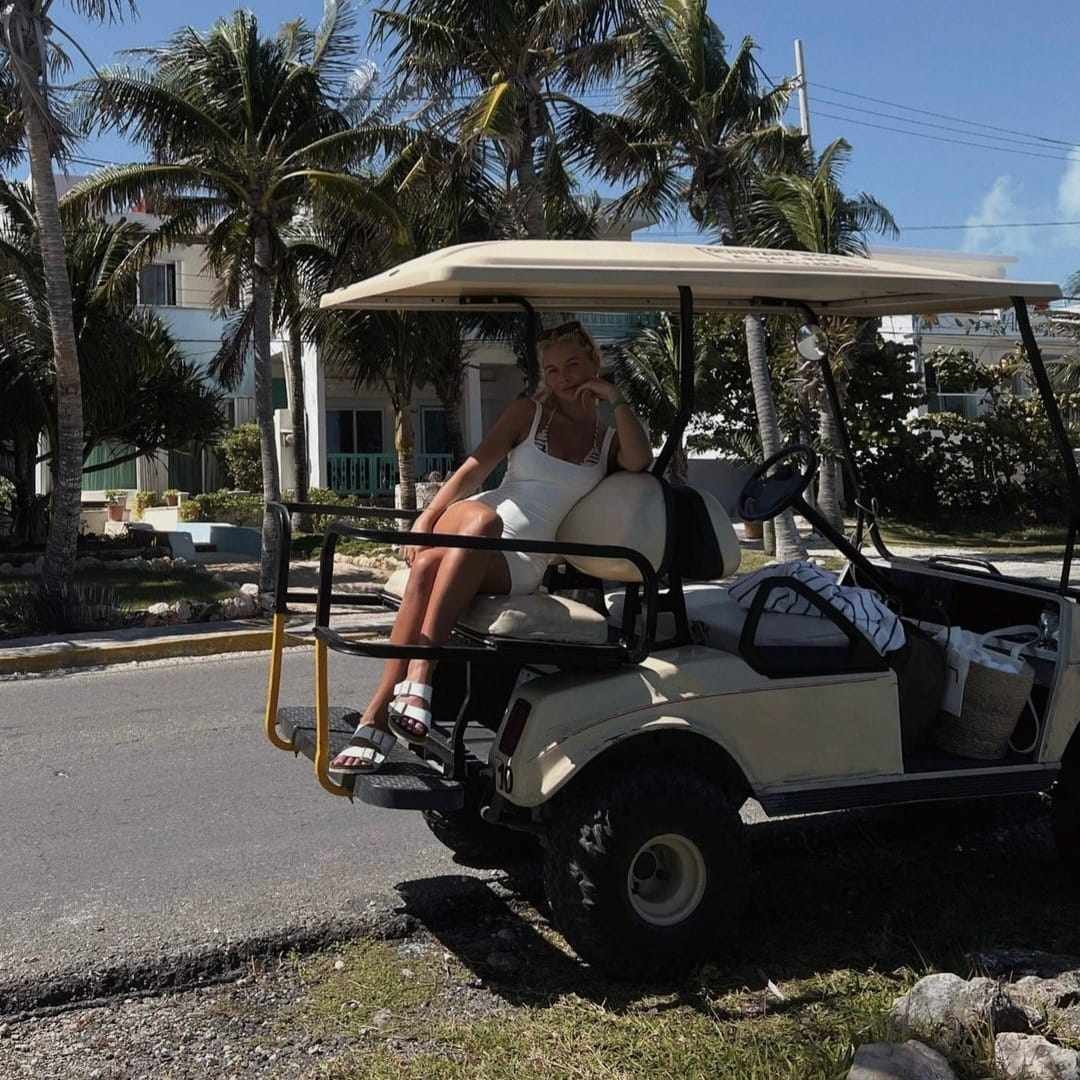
[557,450]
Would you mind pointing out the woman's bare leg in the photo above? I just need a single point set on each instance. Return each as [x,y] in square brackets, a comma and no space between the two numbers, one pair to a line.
[461,575]
[407,624]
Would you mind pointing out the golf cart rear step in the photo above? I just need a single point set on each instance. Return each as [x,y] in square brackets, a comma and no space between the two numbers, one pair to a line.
[405,782]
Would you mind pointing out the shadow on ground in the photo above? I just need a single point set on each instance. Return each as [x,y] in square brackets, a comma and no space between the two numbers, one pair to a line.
[914,887]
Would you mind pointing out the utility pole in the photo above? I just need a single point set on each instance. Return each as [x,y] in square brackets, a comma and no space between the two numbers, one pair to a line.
[804,99]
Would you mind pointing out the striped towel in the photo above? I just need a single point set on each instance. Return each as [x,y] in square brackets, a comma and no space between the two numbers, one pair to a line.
[864,608]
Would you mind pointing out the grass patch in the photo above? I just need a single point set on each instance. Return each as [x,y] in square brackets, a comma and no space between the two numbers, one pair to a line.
[848,911]
[418,1016]
[138,589]
[1033,539]
[309,546]
[752,560]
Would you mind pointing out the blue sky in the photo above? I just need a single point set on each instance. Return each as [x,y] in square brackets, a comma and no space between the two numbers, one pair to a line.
[1009,67]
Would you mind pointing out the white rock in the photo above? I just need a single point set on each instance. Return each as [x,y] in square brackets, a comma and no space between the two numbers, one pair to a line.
[250,589]
[944,1010]
[181,610]
[911,1060]
[161,609]
[1031,1057]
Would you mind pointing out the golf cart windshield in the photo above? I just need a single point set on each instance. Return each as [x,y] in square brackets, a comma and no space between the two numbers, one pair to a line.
[562,275]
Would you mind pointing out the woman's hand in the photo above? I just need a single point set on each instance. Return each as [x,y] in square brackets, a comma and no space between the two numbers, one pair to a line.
[599,389]
[421,524]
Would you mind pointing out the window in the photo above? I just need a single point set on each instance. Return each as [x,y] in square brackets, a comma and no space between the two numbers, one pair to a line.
[157,285]
[354,431]
[434,438]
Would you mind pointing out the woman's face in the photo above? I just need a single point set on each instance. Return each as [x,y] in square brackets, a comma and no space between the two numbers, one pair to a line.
[565,365]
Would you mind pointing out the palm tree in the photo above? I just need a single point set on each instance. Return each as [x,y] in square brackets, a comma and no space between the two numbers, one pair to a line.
[242,129]
[138,391]
[29,55]
[695,127]
[647,372]
[807,211]
[505,72]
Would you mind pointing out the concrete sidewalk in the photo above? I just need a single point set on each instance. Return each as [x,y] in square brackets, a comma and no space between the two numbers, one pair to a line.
[34,655]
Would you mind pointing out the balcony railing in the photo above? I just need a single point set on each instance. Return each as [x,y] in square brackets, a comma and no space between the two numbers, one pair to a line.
[375,475]
[970,406]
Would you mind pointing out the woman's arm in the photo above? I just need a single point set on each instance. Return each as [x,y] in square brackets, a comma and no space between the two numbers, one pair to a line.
[506,433]
[630,449]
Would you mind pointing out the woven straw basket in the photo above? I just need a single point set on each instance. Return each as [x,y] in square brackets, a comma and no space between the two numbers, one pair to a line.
[993,702]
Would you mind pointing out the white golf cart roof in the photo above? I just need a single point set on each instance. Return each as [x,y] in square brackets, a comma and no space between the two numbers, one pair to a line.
[594,275]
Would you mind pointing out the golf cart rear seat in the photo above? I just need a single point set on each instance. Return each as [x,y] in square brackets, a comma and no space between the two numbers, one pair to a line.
[624,510]
[537,617]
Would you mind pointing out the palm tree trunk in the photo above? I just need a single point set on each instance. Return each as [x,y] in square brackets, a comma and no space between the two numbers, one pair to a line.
[528,182]
[450,399]
[405,448]
[294,373]
[788,543]
[60,549]
[262,286]
[828,498]
[23,479]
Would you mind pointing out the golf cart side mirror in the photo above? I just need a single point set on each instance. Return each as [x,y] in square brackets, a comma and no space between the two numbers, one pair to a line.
[811,343]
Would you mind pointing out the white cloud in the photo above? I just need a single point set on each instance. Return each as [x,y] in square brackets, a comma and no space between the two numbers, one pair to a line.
[1002,204]
[1069,189]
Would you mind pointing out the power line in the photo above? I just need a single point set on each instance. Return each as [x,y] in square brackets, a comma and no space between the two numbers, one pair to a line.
[993,225]
[1032,141]
[942,139]
[942,116]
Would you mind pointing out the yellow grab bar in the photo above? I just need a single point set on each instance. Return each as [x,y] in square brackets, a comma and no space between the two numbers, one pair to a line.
[273,689]
[322,723]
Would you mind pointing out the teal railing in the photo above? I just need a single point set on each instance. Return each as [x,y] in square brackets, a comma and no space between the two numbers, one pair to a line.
[374,475]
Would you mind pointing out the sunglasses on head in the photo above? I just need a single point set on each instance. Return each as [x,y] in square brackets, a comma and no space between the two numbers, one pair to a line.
[566,329]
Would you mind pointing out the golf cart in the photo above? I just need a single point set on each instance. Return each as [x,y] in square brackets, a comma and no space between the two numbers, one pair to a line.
[625,735]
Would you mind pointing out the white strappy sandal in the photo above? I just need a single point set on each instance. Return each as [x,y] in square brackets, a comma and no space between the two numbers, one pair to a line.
[399,710]
[371,745]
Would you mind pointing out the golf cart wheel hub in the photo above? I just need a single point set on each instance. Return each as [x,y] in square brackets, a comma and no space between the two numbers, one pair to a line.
[666,880]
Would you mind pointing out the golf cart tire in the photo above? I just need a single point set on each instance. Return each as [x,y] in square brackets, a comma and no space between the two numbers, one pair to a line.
[474,841]
[594,838]
[1065,815]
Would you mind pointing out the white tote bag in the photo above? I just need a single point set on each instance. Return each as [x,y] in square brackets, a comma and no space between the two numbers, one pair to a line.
[963,647]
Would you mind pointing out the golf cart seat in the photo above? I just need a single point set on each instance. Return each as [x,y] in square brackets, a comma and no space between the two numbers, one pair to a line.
[720,621]
[625,510]
[532,617]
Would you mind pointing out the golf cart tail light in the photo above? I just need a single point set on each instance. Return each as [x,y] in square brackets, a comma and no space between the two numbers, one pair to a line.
[515,725]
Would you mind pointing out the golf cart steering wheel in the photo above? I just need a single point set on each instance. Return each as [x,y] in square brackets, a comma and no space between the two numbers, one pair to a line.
[764,496]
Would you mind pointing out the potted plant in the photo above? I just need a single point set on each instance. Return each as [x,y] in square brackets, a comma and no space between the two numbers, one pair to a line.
[117,500]
[172,497]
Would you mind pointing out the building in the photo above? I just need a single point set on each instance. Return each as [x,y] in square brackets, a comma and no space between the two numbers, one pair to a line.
[988,335]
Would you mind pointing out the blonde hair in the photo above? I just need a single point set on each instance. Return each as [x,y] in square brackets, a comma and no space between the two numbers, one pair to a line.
[557,335]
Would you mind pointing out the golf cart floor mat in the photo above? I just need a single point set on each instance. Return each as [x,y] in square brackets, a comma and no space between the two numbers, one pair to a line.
[404,782]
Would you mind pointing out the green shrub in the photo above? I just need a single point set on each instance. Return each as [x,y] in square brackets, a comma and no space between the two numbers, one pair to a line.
[230,507]
[29,609]
[327,497]
[143,499]
[242,452]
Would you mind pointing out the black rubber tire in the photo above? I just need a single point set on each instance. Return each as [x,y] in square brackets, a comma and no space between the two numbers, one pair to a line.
[594,833]
[1065,815]
[476,843]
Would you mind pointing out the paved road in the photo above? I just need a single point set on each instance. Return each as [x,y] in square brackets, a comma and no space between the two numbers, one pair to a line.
[142,809]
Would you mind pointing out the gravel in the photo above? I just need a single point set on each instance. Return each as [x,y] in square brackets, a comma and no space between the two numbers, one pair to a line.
[241,1030]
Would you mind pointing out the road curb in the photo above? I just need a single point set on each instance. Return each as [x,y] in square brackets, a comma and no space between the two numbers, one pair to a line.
[46,658]
[43,657]
[26,997]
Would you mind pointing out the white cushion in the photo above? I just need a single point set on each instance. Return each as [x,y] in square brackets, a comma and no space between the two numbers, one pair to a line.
[627,510]
[722,619]
[534,616]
